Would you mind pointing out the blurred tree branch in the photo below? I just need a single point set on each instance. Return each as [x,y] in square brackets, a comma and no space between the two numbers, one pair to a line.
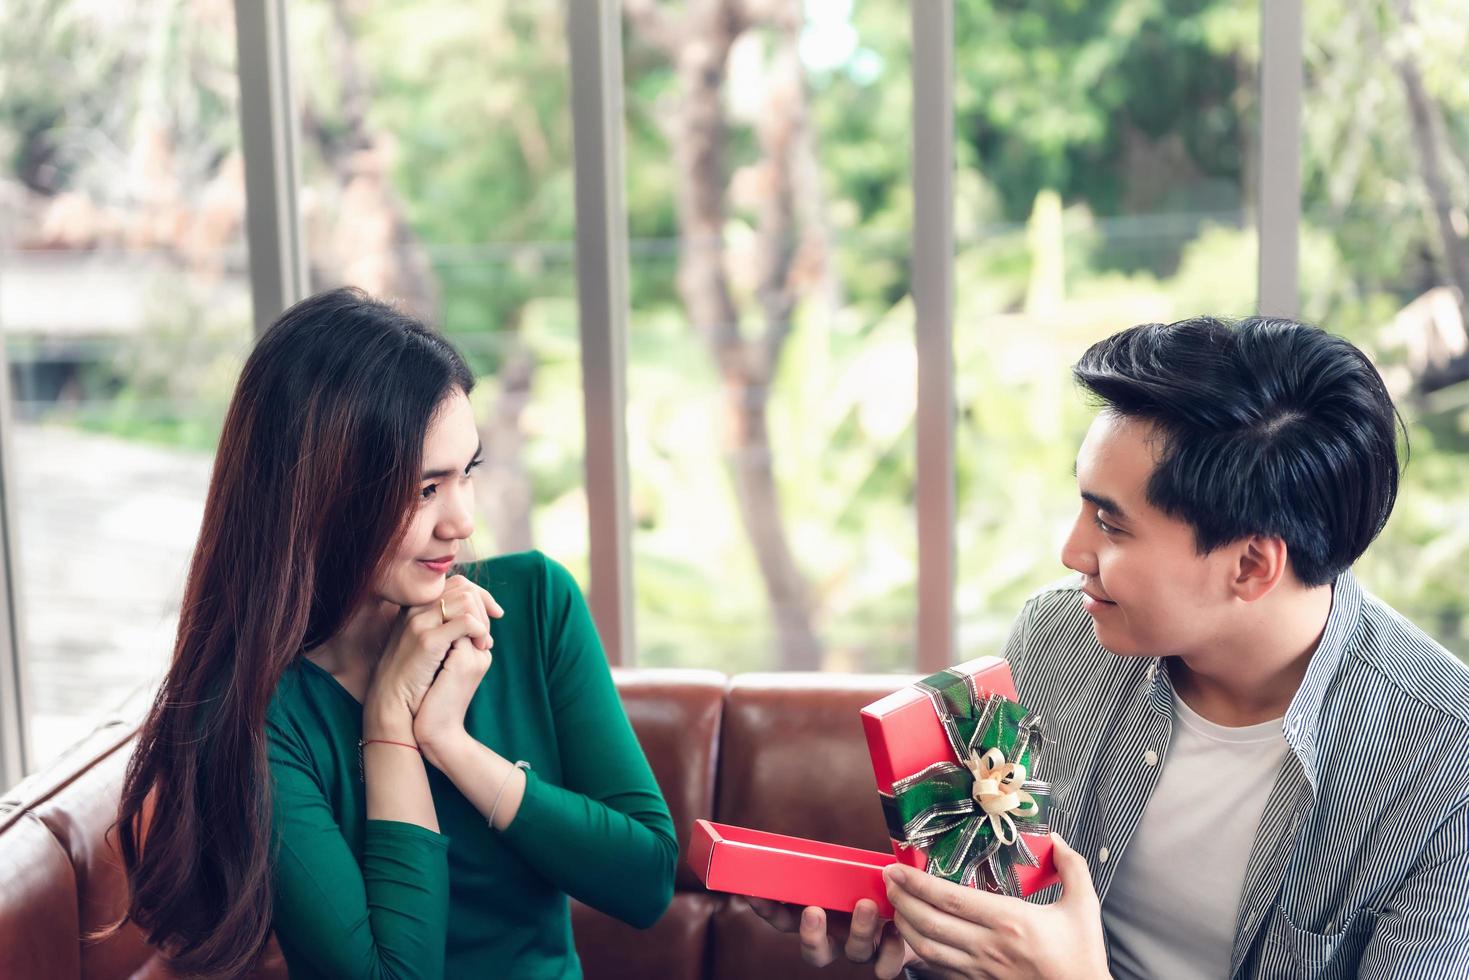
[1448,366]
[371,242]
[699,45]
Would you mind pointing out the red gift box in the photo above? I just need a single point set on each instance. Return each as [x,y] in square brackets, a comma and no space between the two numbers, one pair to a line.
[787,869]
[904,737]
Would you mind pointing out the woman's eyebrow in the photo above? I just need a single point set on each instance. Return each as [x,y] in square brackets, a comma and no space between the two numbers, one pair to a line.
[440,474]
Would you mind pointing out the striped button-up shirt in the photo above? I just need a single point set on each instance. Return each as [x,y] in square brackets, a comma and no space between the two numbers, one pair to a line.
[1360,865]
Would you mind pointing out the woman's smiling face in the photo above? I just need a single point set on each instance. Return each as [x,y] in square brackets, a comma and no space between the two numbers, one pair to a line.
[444,508]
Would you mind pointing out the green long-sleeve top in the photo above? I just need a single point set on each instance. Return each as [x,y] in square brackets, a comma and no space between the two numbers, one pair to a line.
[379,898]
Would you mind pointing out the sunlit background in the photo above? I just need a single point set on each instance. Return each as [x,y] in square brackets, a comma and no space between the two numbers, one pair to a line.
[1107,168]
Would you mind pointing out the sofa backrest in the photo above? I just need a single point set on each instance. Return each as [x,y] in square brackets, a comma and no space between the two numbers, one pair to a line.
[54,841]
[790,758]
[777,752]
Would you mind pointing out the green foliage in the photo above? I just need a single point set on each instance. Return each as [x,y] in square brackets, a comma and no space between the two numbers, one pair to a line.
[1136,119]
[179,373]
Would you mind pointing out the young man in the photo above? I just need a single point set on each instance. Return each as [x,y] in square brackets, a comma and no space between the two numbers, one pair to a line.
[1262,770]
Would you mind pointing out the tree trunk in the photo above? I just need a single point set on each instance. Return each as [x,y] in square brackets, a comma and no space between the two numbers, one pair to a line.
[371,239]
[1427,139]
[504,492]
[699,44]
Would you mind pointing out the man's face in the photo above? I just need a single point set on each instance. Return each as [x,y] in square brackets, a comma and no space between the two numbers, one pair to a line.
[1149,591]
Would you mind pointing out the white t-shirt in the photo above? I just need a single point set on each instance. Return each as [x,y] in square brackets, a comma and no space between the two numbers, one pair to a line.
[1170,913]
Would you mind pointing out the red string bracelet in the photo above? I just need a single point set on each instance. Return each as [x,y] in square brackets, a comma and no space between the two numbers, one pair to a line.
[388,741]
[364,742]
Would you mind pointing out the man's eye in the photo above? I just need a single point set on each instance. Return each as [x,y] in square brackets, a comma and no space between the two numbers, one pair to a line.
[428,492]
[1105,527]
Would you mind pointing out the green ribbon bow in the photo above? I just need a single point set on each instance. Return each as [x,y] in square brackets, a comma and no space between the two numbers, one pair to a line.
[942,809]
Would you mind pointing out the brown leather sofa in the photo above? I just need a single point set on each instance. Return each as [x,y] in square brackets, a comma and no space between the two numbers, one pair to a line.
[778,752]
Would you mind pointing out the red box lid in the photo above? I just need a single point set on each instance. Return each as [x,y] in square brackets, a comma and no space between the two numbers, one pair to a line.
[787,869]
[903,732]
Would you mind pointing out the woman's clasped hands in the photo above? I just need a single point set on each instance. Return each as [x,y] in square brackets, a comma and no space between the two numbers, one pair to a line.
[435,657]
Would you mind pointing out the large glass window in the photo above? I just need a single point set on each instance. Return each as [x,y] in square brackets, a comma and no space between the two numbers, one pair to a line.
[1107,164]
[771,368]
[1107,168]
[1385,261]
[436,149]
[125,306]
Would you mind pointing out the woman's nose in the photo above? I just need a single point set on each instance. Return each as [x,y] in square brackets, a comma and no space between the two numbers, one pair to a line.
[459,517]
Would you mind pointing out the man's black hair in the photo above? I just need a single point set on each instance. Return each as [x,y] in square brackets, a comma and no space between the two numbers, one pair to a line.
[1266,426]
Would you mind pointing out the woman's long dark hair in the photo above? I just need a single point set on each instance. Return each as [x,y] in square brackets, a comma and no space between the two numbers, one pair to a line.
[316,470]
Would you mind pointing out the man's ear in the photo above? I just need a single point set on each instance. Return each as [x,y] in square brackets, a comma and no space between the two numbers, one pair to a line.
[1260,564]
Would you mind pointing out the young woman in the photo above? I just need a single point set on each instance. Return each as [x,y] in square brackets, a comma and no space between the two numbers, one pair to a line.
[331,755]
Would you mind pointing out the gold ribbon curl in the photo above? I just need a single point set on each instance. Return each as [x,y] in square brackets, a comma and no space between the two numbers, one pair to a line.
[997,791]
